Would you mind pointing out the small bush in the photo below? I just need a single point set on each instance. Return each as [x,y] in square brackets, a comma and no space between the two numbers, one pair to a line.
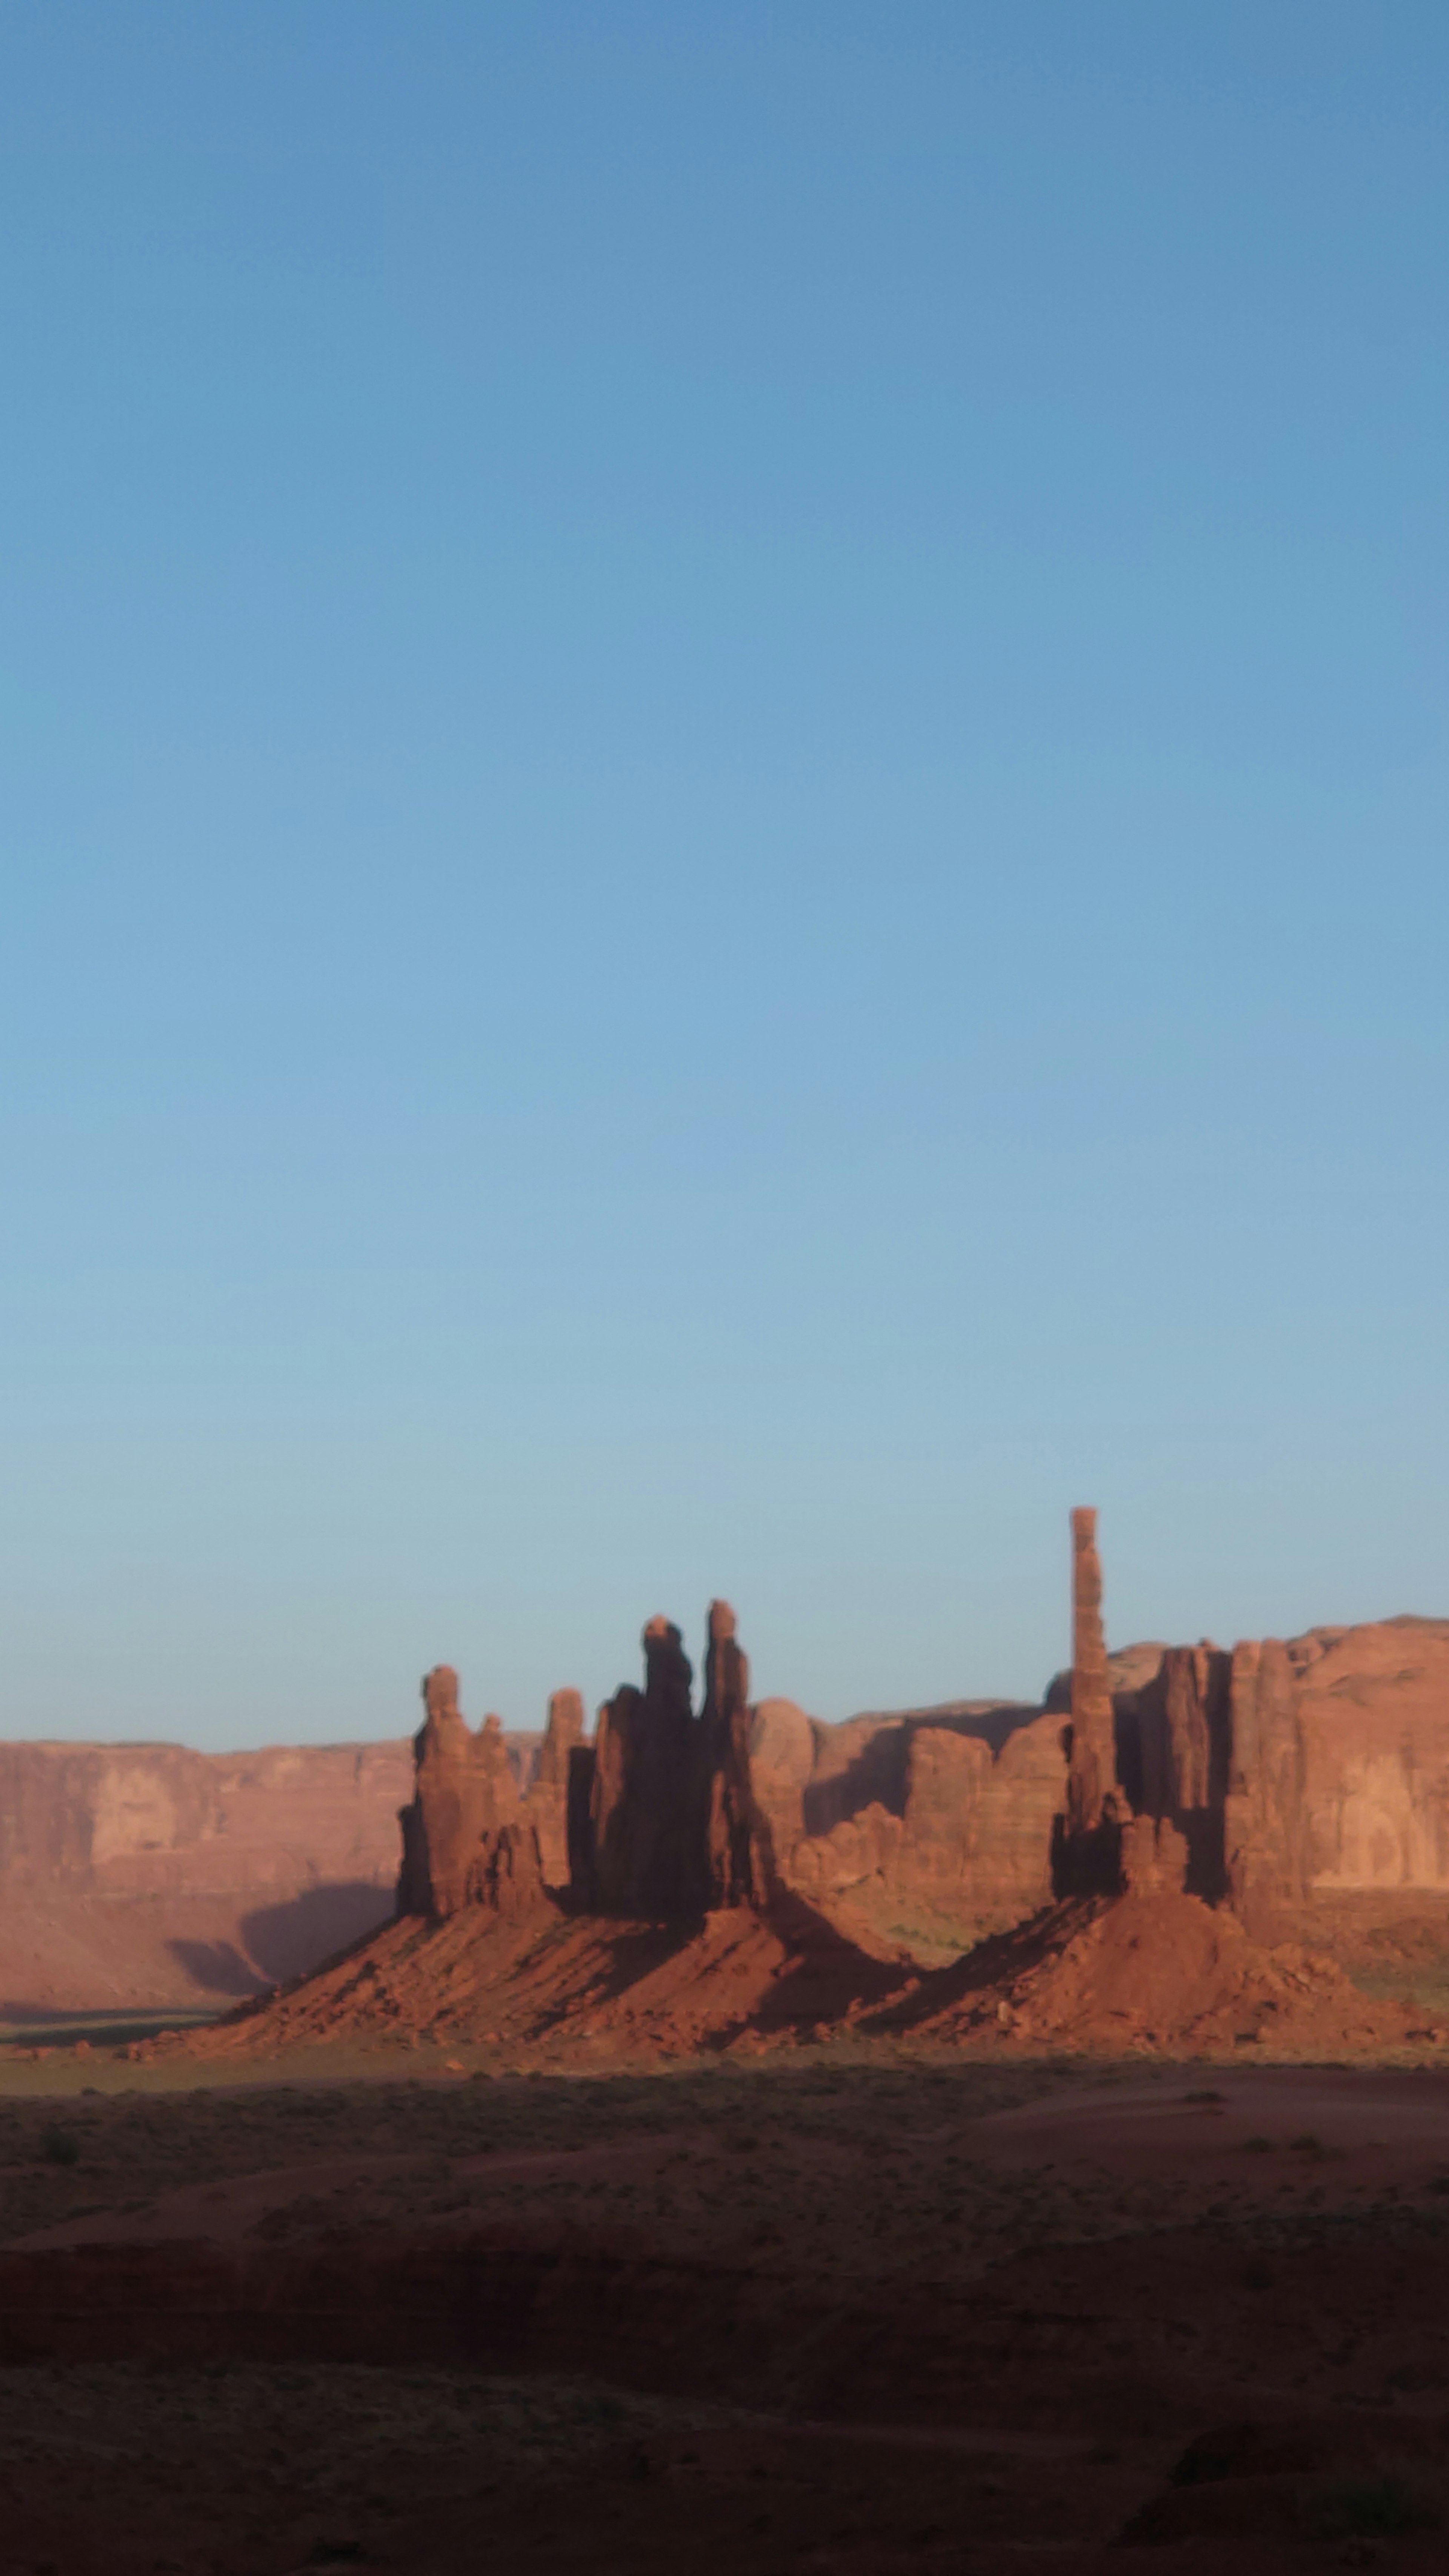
[1258,2146]
[59,2147]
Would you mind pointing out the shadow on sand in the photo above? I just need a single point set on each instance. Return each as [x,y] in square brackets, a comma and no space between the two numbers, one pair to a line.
[286,1940]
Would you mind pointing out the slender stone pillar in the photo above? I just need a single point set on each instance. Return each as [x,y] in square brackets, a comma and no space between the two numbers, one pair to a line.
[1092,1779]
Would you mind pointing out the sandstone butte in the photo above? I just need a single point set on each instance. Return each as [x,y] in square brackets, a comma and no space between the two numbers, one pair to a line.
[1181,1847]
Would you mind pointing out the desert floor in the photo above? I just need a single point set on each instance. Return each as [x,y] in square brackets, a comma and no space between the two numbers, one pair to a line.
[823,2314]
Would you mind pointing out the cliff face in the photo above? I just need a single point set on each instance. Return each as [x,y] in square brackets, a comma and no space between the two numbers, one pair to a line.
[157,1819]
[150,1875]
[1339,1779]
[925,1829]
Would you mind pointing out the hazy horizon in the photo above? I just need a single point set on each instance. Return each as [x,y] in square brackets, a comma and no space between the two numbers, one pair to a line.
[725,806]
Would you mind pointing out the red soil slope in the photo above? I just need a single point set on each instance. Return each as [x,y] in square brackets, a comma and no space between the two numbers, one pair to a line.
[1137,1974]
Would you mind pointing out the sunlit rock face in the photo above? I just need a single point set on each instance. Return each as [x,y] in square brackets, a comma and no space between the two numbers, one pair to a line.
[1340,1764]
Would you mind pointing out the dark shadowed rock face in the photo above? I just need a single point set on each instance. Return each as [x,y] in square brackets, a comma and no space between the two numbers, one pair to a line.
[737,1864]
[645,1856]
[1174,1739]
[547,1801]
[659,1820]
[506,1871]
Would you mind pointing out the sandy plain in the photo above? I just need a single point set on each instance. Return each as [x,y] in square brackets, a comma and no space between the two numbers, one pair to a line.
[848,2313]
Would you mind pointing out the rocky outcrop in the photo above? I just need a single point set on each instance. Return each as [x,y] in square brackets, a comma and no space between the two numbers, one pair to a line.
[1086,1846]
[653,1821]
[646,1859]
[922,1829]
[547,1798]
[738,1861]
[673,1827]
[1092,1771]
[1308,1777]
[1154,1858]
[1174,1738]
[1339,1778]
[464,1796]
[495,1820]
[1265,1812]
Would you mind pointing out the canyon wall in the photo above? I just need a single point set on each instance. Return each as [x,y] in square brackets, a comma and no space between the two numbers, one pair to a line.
[160,1820]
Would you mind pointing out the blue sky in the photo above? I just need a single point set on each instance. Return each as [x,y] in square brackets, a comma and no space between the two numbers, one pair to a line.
[724,820]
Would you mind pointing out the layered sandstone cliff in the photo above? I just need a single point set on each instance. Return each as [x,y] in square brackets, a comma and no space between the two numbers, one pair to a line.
[141,1875]
[134,1875]
[921,1830]
[160,1820]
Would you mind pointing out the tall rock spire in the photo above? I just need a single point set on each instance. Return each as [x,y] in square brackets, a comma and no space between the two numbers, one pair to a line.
[734,1858]
[1092,1780]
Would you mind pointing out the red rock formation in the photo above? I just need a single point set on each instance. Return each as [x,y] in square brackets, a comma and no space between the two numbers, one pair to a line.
[506,1871]
[1265,1815]
[937,1825]
[646,1861]
[464,1796]
[1176,1733]
[1092,1778]
[123,1820]
[546,1802]
[1308,1783]
[737,1865]
[1338,1801]
[1154,1857]
[140,1875]
[783,1748]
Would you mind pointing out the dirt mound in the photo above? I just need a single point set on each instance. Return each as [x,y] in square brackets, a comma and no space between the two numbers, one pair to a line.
[1098,1976]
[1157,1972]
[734,1980]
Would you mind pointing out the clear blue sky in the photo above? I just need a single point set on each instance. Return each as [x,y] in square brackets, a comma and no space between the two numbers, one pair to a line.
[724,819]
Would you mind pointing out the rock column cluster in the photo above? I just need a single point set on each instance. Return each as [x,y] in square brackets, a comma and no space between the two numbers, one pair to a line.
[655,1820]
